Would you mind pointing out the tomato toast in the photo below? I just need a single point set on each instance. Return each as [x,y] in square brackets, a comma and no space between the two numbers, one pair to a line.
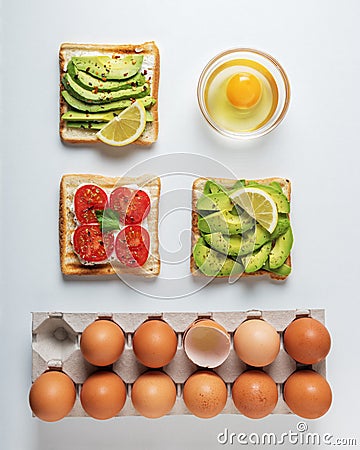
[109,225]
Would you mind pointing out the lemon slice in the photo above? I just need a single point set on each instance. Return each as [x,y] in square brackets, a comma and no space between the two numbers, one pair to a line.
[258,204]
[124,128]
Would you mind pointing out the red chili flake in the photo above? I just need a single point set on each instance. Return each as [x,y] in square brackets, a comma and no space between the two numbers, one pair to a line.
[117,56]
[126,74]
[145,72]
[103,78]
[87,69]
[95,90]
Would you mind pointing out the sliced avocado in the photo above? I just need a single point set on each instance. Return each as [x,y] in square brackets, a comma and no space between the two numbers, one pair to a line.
[281,227]
[238,184]
[113,106]
[257,260]
[103,97]
[212,187]
[282,203]
[281,249]
[80,117]
[107,68]
[76,116]
[277,186]
[86,125]
[237,245]
[225,222]
[87,81]
[212,263]
[283,270]
[254,239]
[214,202]
[228,245]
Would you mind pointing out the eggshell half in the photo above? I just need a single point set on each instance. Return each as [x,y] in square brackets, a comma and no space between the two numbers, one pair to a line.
[207,343]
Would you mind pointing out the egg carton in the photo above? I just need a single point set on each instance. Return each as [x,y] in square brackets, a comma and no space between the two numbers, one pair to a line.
[56,345]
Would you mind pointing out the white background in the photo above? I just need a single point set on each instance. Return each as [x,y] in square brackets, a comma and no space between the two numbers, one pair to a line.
[317,147]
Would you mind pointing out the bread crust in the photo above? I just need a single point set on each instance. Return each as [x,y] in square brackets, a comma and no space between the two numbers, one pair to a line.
[70,263]
[80,136]
[197,191]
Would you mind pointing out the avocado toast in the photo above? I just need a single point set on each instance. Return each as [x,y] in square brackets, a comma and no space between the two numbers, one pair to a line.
[226,241]
[97,82]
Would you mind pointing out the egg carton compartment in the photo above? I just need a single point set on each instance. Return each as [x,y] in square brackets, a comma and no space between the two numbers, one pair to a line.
[56,345]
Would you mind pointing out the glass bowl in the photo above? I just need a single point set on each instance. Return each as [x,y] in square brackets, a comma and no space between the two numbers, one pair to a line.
[270,64]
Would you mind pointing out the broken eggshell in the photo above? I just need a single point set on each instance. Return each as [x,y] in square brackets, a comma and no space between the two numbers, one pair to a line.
[207,343]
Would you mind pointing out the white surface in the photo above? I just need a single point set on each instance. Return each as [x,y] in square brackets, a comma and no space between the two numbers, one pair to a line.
[317,147]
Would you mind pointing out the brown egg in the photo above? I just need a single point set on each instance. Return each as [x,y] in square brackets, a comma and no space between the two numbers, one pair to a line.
[256,342]
[103,395]
[154,343]
[52,396]
[307,394]
[307,340]
[255,394]
[205,394]
[153,394]
[102,342]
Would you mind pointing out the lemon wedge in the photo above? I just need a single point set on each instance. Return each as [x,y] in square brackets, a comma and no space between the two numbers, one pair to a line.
[258,204]
[124,128]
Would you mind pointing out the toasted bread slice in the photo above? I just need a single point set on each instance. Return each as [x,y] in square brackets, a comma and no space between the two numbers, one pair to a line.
[197,192]
[70,263]
[151,64]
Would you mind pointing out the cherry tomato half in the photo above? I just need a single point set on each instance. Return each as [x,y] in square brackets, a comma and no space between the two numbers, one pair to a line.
[132,246]
[133,206]
[91,245]
[87,200]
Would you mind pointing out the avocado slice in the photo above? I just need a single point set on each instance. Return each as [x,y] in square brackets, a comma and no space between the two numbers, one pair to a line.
[87,81]
[227,245]
[103,97]
[212,187]
[282,203]
[113,106]
[281,227]
[80,117]
[86,125]
[214,202]
[283,270]
[281,249]
[107,68]
[213,263]
[76,116]
[225,222]
[237,245]
[257,260]
[277,186]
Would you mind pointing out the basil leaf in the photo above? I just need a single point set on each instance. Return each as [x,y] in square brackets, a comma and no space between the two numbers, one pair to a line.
[108,220]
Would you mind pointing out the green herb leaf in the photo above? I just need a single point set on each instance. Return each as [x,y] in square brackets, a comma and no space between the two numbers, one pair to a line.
[108,220]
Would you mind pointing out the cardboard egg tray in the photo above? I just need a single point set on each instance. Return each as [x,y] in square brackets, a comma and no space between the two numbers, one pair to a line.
[56,345]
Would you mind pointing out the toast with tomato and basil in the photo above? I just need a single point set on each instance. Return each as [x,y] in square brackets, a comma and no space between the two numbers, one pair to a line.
[98,82]
[109,225]
[241,228]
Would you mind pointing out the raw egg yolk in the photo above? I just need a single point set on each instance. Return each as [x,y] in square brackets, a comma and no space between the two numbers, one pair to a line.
[243,90]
